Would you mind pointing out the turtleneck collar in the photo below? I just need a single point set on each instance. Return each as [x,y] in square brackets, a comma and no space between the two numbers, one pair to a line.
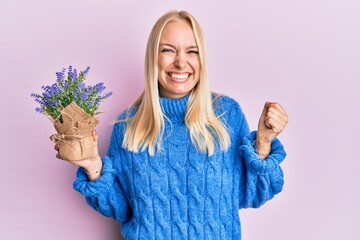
[174,109]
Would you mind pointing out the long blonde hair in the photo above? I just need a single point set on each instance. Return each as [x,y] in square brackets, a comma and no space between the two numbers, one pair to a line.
[145,129]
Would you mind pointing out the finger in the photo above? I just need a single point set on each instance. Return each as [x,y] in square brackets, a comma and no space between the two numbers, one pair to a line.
[94,136]
[272,113]
[279,116]
[276,121]
[279,108]
[266,107]
[264,111]
[276,126]
[269,104]
[56,147]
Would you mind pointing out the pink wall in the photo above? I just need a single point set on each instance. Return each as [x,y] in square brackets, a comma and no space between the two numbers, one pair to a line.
[304,54]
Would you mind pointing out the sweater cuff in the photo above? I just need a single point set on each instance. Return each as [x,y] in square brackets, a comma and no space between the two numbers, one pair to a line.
[254,163]
[98,186]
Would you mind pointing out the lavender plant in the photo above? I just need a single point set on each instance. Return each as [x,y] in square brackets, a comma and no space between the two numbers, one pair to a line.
[67,89]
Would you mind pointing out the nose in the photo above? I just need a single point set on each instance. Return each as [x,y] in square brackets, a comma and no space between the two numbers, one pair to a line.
[180,61]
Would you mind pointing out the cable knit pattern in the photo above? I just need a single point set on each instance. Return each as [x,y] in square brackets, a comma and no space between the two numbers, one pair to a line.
[181,193]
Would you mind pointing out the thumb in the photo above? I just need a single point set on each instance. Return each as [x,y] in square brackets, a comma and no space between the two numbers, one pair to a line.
[267,105]
[94,136]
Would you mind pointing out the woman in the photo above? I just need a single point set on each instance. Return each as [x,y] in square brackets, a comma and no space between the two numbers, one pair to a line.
[182,160]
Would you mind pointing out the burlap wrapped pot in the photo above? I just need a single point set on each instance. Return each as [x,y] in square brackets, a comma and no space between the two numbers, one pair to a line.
[74,134]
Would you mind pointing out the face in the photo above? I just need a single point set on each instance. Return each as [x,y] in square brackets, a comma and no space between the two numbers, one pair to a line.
[179,63]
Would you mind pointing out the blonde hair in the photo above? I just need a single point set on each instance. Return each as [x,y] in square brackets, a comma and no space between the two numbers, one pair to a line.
[145,129]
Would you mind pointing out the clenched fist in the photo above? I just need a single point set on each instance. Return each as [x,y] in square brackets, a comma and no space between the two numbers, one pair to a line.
[272,122]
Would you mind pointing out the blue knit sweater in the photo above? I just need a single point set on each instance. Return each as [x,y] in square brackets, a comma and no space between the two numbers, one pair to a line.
[181,193]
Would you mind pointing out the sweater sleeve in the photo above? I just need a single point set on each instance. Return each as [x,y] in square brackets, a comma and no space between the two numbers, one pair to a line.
[260,179]
[263,178]
[106,194]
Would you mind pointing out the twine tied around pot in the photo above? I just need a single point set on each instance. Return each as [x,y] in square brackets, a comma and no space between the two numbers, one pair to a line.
[74,133]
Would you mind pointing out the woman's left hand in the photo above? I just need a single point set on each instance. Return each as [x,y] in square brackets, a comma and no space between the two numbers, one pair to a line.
[272,122]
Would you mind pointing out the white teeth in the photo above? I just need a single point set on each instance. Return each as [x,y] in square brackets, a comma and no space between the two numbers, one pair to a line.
[179,76]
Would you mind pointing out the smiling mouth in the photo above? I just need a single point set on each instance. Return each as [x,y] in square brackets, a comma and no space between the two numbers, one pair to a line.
[182,76]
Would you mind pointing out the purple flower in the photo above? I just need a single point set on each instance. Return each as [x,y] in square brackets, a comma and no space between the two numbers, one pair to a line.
[70,70]
[100,87]
[67,88]
[74,75]
[39,110]
[81,85]
[35,95]
[89,90]
[47,103]
[55,88]
[77,91]
[60,75]
[97,102]
[52,92]
[86,71]
[40,101]
[107,95]
[46,88]
[84,96]
[90,103]
[46,95]
[79,88]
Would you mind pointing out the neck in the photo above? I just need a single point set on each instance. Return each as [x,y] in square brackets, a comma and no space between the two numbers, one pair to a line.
[174,109]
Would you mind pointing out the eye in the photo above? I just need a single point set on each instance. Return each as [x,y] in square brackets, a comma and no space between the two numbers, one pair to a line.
[167,50]
[193,52]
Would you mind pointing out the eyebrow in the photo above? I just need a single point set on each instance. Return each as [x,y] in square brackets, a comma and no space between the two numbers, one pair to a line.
[170,45]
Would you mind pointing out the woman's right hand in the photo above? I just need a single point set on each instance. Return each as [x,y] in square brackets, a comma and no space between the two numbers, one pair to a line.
[93,165]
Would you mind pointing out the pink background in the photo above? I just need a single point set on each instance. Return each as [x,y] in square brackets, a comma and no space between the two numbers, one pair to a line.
[304,54]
